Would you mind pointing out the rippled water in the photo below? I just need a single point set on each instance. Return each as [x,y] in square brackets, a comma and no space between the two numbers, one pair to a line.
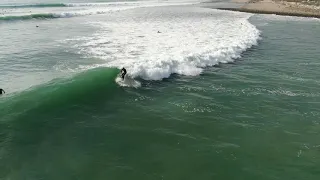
[224,95]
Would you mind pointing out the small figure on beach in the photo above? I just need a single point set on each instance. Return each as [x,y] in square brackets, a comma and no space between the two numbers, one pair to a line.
[159,32]
[1,90]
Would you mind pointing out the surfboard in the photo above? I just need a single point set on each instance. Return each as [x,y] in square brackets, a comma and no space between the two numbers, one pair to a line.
[127,81]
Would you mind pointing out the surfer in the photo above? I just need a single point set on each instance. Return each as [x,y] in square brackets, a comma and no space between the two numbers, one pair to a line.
[1,90]
[123,73]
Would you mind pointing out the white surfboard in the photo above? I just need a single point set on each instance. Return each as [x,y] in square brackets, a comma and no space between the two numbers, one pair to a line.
[127,81]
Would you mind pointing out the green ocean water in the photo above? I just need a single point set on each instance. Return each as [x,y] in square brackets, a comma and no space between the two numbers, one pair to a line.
[255,118]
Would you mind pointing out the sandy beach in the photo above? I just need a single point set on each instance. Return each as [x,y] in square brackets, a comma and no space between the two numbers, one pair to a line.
[296,8]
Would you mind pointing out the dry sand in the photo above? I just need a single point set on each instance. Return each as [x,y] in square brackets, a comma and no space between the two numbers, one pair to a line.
[278,7]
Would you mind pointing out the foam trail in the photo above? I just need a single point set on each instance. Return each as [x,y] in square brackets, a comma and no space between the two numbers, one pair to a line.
[189,39]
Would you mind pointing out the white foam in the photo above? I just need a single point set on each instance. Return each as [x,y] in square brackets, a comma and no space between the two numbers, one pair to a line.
[190,39]
[128,82]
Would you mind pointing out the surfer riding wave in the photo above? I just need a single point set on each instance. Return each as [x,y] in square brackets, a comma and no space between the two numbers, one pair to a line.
[123,72]
[125,80]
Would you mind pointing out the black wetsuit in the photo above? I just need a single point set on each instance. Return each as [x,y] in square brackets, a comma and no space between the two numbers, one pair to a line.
[123,72]
[1,90]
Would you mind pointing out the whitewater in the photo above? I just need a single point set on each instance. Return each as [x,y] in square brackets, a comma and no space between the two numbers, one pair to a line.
[154,45]
[153,40]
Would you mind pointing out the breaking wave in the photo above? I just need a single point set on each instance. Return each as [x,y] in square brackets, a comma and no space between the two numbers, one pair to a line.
[181,42]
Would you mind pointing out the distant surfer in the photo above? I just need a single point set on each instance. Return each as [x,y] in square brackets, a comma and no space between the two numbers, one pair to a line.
[123,73]
[2,91]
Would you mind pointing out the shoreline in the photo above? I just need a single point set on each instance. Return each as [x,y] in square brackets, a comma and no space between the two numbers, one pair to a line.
[277,7]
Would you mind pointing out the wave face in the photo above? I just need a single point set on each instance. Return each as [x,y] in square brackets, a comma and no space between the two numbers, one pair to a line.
[153,45]
[59,95]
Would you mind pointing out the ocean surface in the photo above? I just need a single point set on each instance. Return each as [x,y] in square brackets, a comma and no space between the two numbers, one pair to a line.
[222,95]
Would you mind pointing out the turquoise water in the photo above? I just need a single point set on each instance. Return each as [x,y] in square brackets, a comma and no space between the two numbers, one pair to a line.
[65,117]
